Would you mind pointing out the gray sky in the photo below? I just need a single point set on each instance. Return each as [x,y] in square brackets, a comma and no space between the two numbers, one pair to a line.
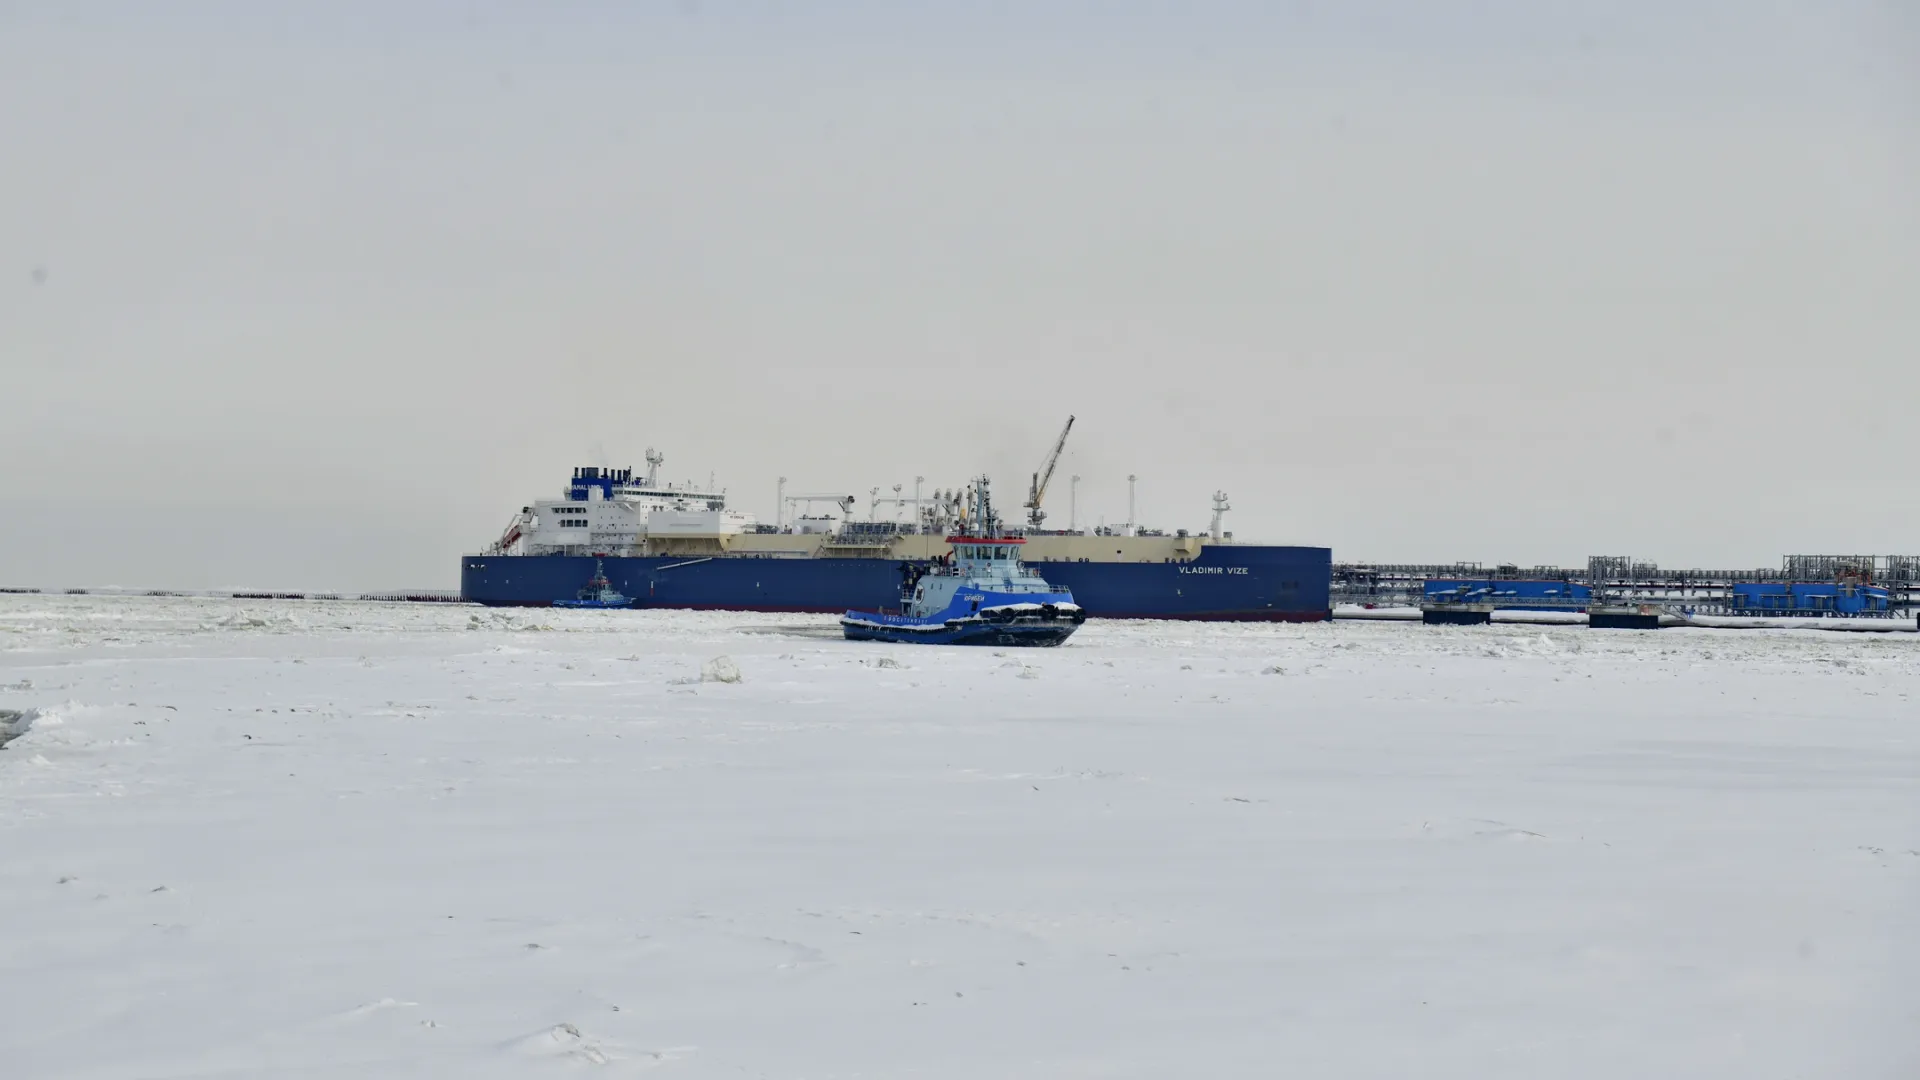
[316,294]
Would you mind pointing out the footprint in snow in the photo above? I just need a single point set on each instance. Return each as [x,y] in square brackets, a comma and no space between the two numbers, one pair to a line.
[377,1006]
[566,1041]
[1512,834]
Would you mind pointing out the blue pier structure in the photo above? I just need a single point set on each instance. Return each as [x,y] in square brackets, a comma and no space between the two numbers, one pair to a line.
[1805,586]
[1809,599]
[1502,594]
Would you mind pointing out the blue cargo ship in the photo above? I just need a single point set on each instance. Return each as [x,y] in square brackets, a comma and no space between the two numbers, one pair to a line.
[668,545]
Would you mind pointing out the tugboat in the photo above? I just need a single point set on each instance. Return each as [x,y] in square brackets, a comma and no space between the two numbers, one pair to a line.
[599,593]
[982,594]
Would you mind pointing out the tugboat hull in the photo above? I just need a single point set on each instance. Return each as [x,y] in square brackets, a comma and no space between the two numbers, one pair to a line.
[862,626]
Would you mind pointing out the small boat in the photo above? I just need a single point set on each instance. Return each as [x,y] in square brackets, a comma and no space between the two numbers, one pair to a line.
[981,594]
[599,593]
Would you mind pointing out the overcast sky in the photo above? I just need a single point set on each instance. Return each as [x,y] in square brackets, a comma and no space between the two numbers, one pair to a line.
[315,294]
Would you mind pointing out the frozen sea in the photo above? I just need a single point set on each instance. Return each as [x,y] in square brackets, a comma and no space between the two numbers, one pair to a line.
[337,839]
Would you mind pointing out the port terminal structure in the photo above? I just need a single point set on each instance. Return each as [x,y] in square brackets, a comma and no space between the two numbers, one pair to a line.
[1624,593]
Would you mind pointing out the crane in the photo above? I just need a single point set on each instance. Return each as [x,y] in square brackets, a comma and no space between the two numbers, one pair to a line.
[1035,515]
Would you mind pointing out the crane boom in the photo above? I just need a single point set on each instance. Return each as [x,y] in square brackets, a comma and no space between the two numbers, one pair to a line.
[1039,489]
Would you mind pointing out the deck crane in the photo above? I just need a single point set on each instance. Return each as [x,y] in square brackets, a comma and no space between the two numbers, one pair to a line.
[1035,515]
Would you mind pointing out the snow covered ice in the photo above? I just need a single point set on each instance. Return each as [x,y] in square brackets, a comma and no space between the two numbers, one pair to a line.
[252,839]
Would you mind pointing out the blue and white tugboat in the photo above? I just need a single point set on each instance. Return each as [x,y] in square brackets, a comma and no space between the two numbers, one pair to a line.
[599,593]
[982,594]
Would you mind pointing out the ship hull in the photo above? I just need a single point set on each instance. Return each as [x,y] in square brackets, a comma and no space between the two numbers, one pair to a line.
[1230,582]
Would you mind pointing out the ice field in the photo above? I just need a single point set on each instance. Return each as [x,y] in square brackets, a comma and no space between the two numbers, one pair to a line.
[313,839]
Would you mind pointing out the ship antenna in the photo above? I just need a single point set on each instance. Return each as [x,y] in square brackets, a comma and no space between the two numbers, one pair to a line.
[1219,507]
[654,461]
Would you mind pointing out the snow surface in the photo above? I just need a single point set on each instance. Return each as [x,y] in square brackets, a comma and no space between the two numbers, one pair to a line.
[312,839]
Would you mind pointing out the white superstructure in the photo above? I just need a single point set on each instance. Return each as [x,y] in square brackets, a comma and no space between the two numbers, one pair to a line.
[615,512]
[612,511]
